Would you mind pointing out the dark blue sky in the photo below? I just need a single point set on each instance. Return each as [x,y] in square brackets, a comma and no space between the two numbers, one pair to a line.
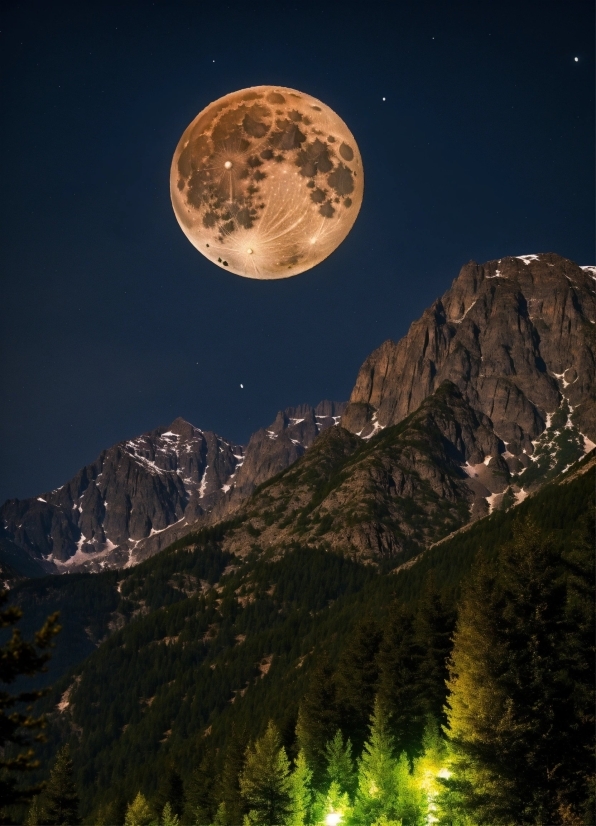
[112,323]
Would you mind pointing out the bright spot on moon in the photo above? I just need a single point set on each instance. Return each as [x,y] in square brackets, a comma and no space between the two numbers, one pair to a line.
[266,182]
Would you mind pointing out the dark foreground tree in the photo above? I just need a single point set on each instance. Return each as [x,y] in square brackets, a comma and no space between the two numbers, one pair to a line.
[19,727]
[61,798]
[521,694]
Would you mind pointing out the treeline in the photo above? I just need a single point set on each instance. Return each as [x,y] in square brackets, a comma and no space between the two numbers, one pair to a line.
[205,659]
[486,718]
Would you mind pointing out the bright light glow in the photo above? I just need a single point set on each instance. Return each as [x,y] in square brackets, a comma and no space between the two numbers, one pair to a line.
[333,818]
[445,774]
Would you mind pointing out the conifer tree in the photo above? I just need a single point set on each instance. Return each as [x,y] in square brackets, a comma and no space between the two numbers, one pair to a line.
[377,784]
[61,798]
[357,680]
[19,657]
[139,812]
[171,792]
[221,817]
[228,791]
[319,718]
[518,736]
[433,628]
[400,659]
[199,792]
[340,765]
[300,792]
[169,817]
[265,781]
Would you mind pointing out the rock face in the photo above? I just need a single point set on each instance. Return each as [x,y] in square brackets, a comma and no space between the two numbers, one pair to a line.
[142,494]
[132,492]
[378,499]
[516,336]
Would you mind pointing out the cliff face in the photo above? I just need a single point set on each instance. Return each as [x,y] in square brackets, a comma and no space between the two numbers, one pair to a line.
[142,494]
[133,491]
[516,336]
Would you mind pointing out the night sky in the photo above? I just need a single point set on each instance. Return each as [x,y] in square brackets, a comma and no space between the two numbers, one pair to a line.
[112,323]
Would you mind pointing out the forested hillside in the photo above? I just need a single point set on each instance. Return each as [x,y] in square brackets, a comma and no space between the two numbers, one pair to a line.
[204,650]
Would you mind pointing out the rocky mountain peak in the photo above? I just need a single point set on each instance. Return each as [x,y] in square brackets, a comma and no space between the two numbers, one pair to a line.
[515,335]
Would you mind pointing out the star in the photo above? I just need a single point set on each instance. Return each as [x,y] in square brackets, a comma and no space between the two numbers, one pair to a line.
[576,59]
[384,98]
[242,386]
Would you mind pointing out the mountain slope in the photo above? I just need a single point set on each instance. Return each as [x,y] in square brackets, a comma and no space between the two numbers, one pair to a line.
[208,644]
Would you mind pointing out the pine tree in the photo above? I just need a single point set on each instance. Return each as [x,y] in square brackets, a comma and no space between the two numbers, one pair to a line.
[199,792]
[171,791]
[377,782]
[400,664]
[433,629]
[19,657]
[340,765]
[357,680]
[139,812]
[228,790]
[169,817]
[520,741]
[61,798]
[265,781]
[319,718]
[300,792]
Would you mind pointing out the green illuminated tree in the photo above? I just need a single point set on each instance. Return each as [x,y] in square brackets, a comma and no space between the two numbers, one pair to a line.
[300,792]
[377,783]
[265,782]
[139,812]
[520,705]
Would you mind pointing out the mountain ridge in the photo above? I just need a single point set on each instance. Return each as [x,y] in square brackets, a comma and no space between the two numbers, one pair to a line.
[515,341]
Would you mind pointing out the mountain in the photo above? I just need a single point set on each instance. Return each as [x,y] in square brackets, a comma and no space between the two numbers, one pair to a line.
[499,375]
[516,336]
[141,494]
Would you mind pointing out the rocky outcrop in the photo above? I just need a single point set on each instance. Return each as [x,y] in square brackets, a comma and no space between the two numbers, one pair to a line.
[384,498]
[142,494]
[516,336]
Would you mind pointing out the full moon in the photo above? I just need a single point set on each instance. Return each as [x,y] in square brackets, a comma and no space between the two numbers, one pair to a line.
[266,182]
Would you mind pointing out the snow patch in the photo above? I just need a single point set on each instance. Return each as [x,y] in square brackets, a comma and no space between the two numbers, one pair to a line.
[527,258]
[296,421]
[161,530]
[591,270]
[39,499]
[493,500]
[203,486]
[560,376]
[375,430]
[459,320]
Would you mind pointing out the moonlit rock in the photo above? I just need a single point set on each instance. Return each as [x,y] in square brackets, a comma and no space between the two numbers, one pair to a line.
[266,182]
